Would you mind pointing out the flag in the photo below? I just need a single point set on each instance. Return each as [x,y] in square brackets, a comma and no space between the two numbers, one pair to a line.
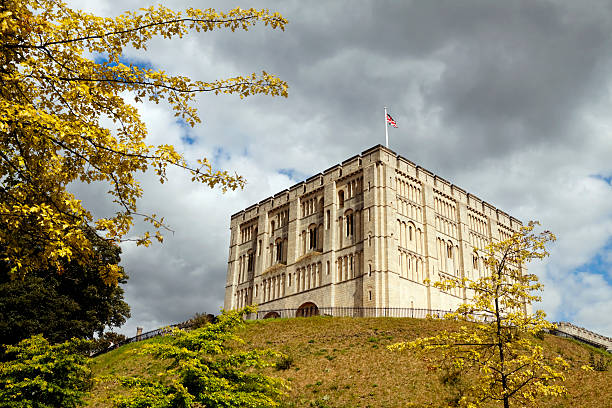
[391,121]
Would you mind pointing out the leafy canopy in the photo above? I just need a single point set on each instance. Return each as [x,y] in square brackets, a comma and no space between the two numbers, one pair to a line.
[206,370]
[34,373]
[498,347]
[54,103]
[77,303]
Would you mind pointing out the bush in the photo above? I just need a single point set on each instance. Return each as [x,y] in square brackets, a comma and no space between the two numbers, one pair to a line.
[201,320]
[284,363]
[104,342]
[206,370]
[34,373]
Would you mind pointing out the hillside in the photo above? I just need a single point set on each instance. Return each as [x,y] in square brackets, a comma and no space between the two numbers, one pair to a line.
[343,362]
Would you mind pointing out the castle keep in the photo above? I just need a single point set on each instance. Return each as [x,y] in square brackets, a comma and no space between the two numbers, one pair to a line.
[366,234]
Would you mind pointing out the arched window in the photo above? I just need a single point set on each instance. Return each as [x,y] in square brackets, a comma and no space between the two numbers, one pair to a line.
[341,198]
[279,250]
[312,237]
[349,223]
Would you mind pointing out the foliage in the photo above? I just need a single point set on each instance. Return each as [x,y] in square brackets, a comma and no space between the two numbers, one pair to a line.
[55,107]
[77,303]
[200,320]
[34,373]
[497,347]
[106,340]
[207,371]
[601,364]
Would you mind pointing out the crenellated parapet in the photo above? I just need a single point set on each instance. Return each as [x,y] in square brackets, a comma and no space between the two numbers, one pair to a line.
[580,333]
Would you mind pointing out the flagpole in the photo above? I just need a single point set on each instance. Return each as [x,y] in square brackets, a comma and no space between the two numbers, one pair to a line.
[386,130]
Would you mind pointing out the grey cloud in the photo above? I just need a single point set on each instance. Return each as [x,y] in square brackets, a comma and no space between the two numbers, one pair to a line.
[509,100]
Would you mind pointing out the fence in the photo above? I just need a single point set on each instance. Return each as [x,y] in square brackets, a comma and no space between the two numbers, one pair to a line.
[312,310]
[147,335]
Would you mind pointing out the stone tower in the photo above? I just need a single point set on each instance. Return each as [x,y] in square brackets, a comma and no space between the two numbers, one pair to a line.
[365,233]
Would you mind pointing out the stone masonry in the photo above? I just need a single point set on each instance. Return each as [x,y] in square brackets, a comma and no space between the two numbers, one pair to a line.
[364,233]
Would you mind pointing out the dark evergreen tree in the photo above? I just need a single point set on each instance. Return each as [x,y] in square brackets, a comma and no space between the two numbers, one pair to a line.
[76,303]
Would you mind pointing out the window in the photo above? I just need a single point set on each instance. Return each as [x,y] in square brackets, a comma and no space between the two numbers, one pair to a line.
[312,232]
[340,198]
[250,263]
[279,251]
[370,294]
[349,224]
[328,219]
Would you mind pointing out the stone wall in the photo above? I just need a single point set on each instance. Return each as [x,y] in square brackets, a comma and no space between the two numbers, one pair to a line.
[580,333]
[364,233]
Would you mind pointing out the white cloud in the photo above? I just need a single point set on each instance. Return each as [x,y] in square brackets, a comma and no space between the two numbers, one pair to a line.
[513,108]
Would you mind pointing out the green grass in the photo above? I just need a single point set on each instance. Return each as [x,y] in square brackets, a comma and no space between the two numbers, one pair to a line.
[344,362]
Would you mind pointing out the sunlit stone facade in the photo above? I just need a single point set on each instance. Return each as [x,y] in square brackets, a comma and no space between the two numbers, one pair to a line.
[364,233]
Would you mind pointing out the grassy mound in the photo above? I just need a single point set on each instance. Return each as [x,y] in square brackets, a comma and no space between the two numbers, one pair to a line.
[344,362]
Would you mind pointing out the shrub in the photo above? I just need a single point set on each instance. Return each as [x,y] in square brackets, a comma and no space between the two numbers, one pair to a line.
[284,363]
[34,373]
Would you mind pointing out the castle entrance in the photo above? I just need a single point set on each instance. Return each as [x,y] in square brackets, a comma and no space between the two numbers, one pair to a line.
[307,309]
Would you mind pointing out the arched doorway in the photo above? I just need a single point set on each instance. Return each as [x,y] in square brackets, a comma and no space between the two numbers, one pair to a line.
[307,309]
[272,315]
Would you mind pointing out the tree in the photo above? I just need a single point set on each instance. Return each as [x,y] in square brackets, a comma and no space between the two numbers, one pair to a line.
[77,303]
[206,371]
[34,373]
[54,103]
[497,347]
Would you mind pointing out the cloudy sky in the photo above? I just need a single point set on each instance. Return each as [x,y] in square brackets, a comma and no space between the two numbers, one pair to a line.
[509,100]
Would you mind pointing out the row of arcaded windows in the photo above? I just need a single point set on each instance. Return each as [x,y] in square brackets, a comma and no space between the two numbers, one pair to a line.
[478,241]
[409,190]
[448,256]
[246,263]
[311,239]
[307,277]
[350,228]
[243,297]
[455,291]
[349,266]
[278,251]
[351,189]
[446,227]
[311,206]
[272,288]
[479,267]
[248,233]
[279,219]
[409,209]
[409,236]
[411,266]
[504,235]
[477,224]
[445,208]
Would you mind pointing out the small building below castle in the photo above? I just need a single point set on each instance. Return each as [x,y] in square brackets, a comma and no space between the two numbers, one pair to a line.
[372,233]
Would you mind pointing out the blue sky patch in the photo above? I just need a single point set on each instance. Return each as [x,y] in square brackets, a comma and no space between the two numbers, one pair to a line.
[293,174]
[599,264]
[144,64]
[607,179]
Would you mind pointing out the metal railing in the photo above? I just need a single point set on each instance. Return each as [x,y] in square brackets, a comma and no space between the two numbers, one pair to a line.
[147,335]
[348,312]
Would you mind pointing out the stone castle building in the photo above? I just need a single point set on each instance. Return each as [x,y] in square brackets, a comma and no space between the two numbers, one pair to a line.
[362,234]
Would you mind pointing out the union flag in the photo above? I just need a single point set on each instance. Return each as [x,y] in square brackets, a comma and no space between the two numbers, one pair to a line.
[391,121]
